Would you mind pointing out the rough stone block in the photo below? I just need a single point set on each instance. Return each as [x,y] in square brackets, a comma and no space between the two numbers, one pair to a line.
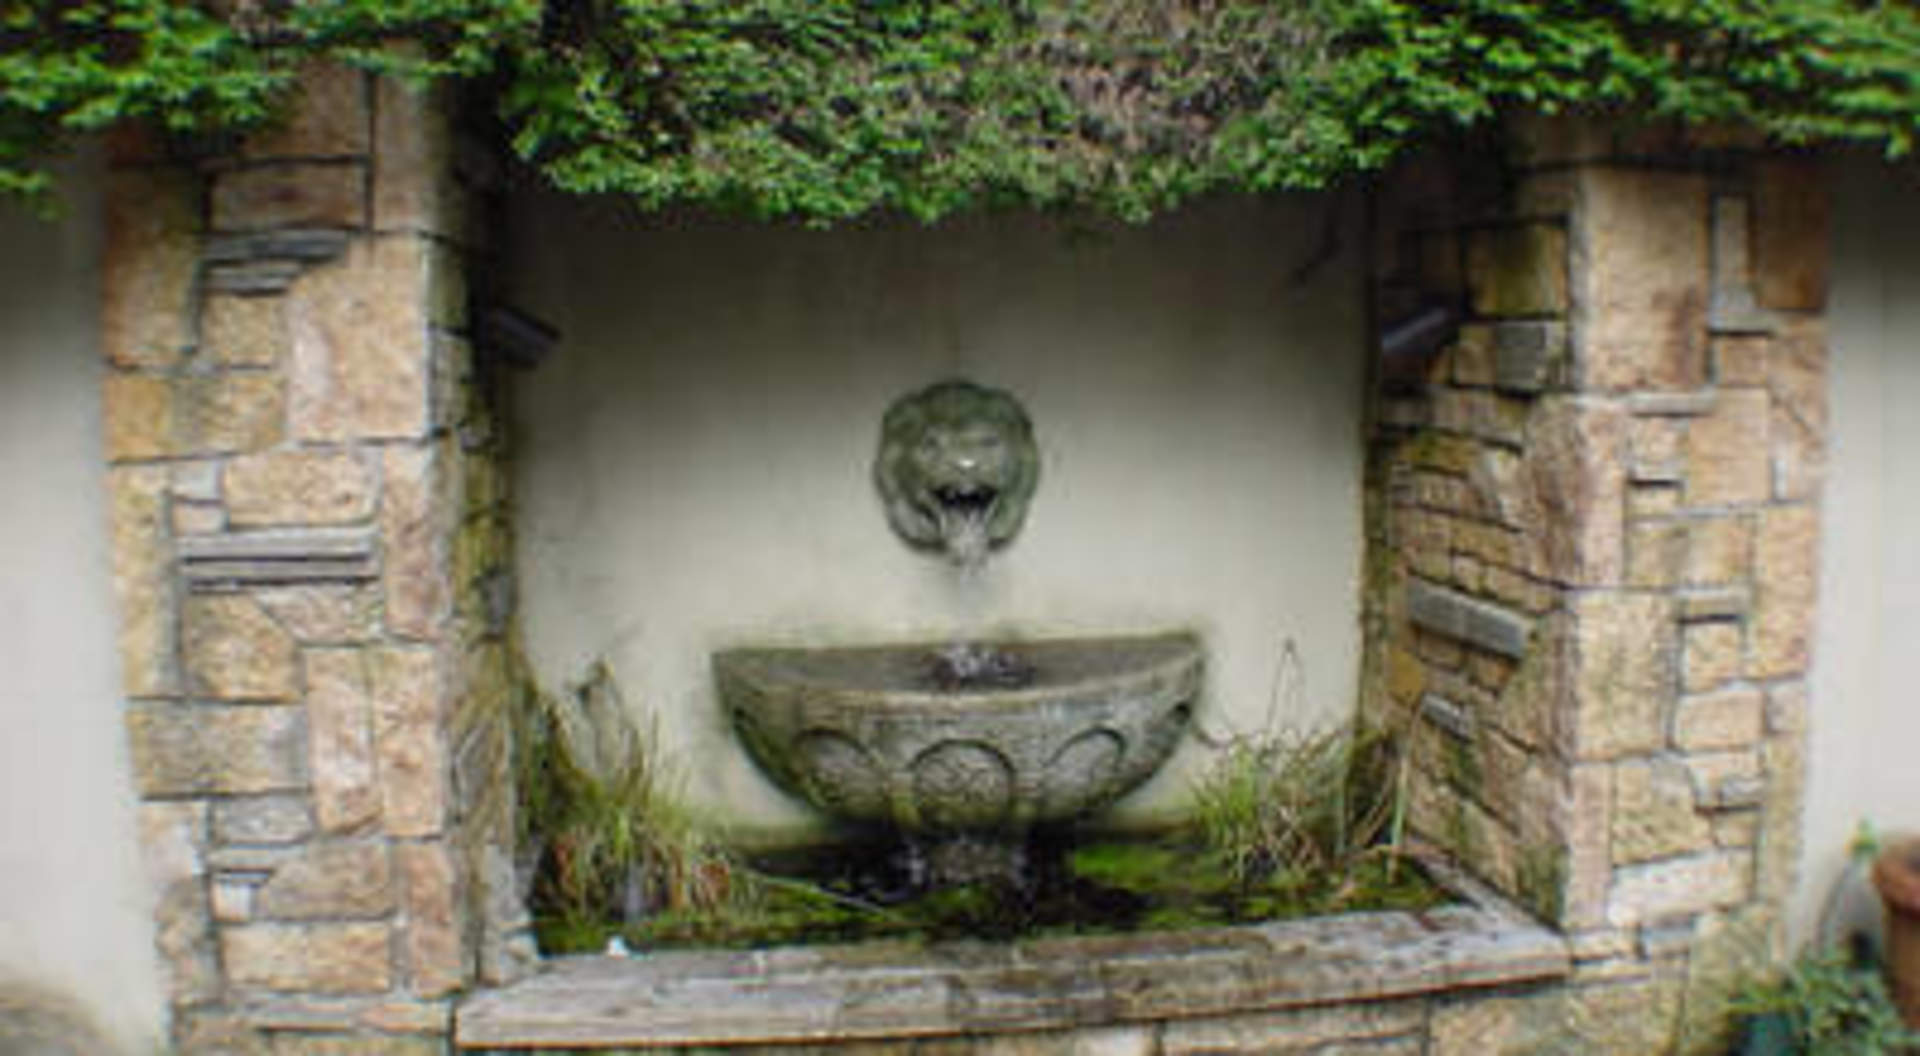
[1512,588]
[314,958]
[1335,1029]
[234,651]
[1719,551]
[1729,719]
[325,613]
[1786,556]
[1736,307]
[1715,603]
[1655,498]
[1656,550]
[1478,413]
[409,740]
[1498,481]
[262,820]
[1728,951]
[148,266]
[301,194]
[1712,654]
[327,117]
[1406,675]
[1448,716]
[346,794]
[1740,359]
[1641,302]
[1529,356]
[1797,383]
[1716,773]
[1467,619]
[359,1044]
[1519,270]
[1656,444]
[1678,886]
[1627,1018]
[232,898]
[243,331]
[1777,845]
[436,961]
[413,173]
[1472,356]
[137,411]
[1574,516]
[1787,709]
[1653,812]
[297,487]
[1622,676]
[360,348]
[173,841]
[197,518]
[1792,219]
[1589,842]
[1737,829]
[331,880]
[182,750]
[142,581]
[1727,452]
[154,417]
[1441,452]
[414,526]
[183,937]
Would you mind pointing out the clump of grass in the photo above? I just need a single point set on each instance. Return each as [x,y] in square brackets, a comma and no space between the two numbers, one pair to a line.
[601,815]
[1826,1002]
[1298,807]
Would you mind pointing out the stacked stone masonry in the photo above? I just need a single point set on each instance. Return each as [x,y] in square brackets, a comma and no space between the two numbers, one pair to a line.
[1592,524]
[309,534]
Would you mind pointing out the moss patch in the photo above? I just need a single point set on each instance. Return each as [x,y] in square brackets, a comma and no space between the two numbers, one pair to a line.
[859,891]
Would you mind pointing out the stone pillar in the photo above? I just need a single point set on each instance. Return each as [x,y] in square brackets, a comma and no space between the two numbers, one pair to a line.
[308,541]
[1593,539]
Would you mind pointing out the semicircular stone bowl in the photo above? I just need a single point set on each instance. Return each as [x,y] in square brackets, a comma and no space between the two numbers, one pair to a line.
[866,735]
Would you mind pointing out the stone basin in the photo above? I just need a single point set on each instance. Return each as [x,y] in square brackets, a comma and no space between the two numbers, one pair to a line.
[866,735]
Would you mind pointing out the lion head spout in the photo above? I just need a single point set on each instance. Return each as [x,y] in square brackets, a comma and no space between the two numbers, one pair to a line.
[956,468]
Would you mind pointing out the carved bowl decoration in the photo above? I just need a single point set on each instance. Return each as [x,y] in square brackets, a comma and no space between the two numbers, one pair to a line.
[870,735]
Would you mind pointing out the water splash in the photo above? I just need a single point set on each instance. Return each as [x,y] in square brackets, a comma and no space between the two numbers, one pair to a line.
[967,663]
[976,665]
[963,534]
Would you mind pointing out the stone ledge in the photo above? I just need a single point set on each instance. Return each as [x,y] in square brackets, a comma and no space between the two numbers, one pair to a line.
[277,556]
[900,990]
[1456,615]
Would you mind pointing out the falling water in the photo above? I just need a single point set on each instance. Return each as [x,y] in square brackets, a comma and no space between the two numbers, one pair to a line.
[968,663]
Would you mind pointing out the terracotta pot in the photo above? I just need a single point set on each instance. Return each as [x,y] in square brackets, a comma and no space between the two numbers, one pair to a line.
[1896,873]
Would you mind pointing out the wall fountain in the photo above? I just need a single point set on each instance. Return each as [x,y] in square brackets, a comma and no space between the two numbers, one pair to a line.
[965,747]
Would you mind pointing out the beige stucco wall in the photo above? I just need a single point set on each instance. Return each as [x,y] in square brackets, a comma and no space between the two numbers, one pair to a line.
[74,914]
[1866,693]
[693,463]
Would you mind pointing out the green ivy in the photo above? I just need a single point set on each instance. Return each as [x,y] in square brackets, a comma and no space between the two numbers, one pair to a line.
[830,109]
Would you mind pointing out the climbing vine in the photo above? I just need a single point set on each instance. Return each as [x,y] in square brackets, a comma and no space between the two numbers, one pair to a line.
[829,109]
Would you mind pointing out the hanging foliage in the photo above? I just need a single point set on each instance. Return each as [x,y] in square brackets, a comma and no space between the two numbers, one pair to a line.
[829,109]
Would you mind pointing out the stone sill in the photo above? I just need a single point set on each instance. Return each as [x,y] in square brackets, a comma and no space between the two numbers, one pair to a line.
[900,990]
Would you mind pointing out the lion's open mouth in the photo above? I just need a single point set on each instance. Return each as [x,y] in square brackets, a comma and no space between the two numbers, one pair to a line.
[967,500]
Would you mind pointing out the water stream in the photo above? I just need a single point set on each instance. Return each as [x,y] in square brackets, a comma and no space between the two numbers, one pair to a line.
[967,662]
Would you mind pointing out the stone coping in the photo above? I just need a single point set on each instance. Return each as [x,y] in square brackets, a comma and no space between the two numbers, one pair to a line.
[903,989]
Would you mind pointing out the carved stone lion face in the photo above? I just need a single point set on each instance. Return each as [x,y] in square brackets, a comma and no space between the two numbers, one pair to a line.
[956,457]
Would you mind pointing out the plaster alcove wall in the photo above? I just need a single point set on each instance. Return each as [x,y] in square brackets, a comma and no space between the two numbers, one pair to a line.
[692,464]
[77,921]
[1866,666]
